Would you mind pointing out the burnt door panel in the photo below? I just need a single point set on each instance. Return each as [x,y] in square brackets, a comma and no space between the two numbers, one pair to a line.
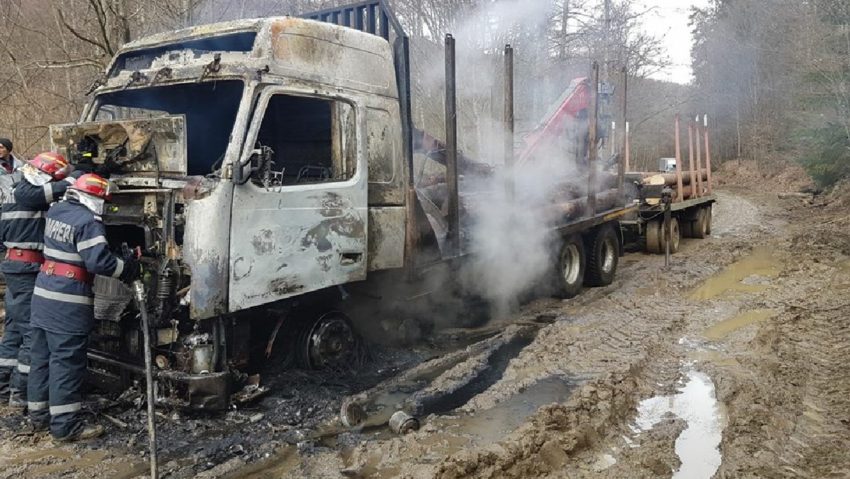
[301,226]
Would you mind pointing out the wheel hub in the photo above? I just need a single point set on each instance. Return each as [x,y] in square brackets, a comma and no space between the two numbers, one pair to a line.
[330,342]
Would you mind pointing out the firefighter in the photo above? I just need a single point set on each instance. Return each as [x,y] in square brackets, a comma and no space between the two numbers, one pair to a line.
[75,249]
[22,226]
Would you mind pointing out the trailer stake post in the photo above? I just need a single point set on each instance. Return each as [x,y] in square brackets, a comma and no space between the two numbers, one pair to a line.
[623,163]
[697,135]
[691,159]
[451,149]
[509,121]
[680,193]
[592,151]
[707,154]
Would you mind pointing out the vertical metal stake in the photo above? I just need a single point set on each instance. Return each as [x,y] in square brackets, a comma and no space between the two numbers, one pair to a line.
[509,121]
[591,140]
[451,149]
[668,233]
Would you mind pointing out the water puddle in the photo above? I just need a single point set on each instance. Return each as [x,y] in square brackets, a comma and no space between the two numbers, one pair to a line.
[723,328]
[698,445]
[747,275]
[497,363]
[453,433]
[492,425]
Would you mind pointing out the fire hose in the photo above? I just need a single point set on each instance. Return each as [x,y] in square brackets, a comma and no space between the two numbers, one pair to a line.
[141,302]
[139,290]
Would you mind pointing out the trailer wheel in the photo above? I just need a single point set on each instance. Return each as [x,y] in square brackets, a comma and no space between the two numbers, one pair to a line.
[570,273]
[603,257]
[653,237]
[700,224]
[674,239]
[656,237]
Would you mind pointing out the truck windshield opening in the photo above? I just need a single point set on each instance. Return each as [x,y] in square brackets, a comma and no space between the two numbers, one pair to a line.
[210,109]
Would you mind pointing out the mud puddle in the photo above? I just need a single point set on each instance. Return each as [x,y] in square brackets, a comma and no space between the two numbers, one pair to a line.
[696,403]
[444,435]
[497,363]
[750,274]
[492,425]
[724,328]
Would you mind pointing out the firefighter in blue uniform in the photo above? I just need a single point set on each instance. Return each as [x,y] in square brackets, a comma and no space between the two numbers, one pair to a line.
[22,227]
[75,250]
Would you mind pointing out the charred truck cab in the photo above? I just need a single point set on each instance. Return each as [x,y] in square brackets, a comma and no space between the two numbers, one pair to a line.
[257,161]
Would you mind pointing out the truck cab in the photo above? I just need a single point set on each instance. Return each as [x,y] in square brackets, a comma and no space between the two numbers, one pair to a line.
[257,161]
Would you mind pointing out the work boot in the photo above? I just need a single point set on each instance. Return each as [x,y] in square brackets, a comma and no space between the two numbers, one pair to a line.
[32,428]
[84,434]
[17,402]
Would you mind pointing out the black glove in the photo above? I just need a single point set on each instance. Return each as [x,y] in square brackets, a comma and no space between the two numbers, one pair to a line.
[131,271]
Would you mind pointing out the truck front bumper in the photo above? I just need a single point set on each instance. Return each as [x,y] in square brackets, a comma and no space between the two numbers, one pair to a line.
[202,392]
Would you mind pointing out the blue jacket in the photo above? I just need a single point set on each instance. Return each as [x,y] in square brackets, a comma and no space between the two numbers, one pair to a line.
[72,235]
[22,221]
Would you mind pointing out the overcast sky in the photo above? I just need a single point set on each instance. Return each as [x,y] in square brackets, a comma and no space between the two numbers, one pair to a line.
[669,19]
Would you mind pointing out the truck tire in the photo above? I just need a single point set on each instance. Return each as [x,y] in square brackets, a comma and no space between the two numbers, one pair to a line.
[570,268]
[653,237]
[603,257]
[700,225]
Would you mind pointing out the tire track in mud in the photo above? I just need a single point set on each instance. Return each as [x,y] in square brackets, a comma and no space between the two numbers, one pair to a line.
[789,400]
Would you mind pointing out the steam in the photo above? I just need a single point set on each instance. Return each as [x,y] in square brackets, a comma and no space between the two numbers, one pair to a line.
[509,234]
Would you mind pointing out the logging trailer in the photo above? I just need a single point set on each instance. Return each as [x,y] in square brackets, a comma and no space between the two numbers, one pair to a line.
[689,196]
[266,169]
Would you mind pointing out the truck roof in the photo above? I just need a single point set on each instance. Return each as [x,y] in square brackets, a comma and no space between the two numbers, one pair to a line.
[291,47]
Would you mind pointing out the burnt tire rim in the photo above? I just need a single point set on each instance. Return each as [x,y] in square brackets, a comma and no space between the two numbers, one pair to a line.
[330,342]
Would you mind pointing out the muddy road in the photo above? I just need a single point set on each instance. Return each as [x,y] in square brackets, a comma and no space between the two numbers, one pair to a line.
[732,362]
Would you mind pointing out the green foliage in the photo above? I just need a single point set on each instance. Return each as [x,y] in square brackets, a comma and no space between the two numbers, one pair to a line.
[826,153]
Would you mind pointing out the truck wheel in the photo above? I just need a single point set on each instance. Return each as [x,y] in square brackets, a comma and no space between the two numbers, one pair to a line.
[653,237]
[708,220]
[603,257]
[570,272]
[700,225]
[328,342]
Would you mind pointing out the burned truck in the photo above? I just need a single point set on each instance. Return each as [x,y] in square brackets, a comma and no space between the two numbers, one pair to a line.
[265,170]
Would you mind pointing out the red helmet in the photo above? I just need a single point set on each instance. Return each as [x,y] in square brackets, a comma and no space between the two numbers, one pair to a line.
[53,164]
[94,185]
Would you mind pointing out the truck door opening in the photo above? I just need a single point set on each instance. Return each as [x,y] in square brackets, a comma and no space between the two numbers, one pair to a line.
[311,138]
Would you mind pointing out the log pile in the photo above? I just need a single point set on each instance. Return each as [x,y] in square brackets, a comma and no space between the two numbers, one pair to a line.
[574,208]
[670,179]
